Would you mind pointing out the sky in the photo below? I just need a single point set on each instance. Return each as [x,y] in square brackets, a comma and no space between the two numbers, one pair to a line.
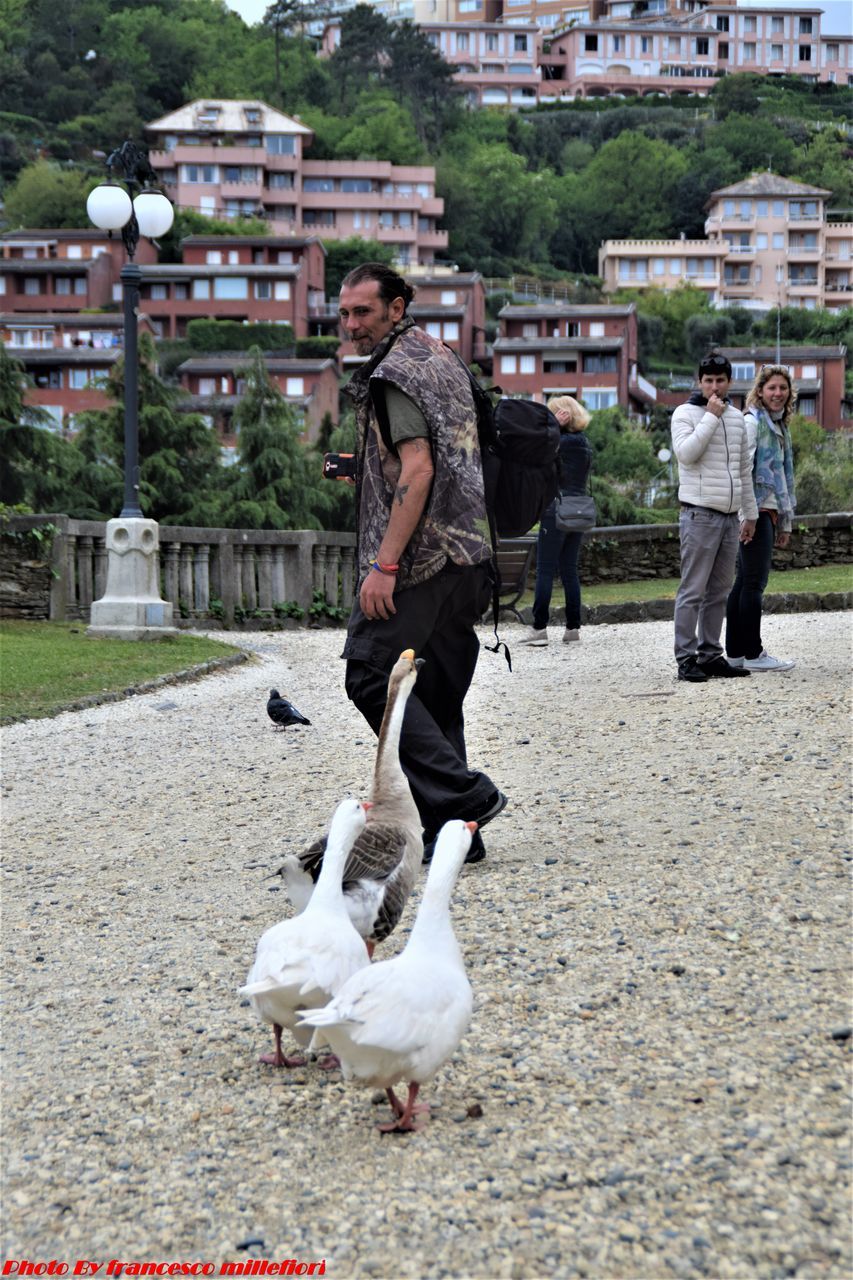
[837,19]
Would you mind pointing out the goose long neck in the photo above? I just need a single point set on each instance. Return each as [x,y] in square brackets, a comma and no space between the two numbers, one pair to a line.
[432,923]
[328,891]
[388,777]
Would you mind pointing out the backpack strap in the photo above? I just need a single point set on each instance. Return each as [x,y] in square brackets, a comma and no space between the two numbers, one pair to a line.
[494,573]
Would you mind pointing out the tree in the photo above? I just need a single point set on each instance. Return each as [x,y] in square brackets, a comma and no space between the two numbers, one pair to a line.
[359,58]
[383,127]
[275,484]
[342,256]
[704,331]
[46,196]
[419,76]
[623,452]
[180,469]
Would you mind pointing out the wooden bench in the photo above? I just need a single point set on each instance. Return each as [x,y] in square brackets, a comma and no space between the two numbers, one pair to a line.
[515,561]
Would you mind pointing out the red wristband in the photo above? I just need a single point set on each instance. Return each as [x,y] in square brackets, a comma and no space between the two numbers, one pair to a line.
[384,568]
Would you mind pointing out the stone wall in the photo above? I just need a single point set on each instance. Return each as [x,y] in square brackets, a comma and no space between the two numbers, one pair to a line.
[627,552]
[25,575]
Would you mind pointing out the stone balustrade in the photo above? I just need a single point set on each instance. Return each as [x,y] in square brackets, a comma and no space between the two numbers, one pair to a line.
[242,577]
[208,575]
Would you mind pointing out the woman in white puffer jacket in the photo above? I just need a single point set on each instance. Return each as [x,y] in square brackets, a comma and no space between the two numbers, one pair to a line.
[712,447]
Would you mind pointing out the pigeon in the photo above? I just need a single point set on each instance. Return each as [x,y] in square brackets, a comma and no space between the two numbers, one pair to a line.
[281,712]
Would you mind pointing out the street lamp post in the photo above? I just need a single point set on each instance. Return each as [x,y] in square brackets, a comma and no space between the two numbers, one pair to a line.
[780,275]
[131,607]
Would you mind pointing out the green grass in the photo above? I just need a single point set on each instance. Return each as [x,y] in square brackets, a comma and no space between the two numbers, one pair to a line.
[825,578]
[44,666]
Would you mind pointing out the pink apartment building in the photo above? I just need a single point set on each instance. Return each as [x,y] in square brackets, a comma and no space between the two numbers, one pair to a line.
[64,270]
[671,47]
[769,243]
[232,158]
[589,352]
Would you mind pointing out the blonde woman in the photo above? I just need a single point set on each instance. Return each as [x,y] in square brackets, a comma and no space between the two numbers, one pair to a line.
[558,551]
[769,406]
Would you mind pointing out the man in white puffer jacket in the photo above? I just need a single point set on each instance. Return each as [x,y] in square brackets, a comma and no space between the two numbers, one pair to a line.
[711,444]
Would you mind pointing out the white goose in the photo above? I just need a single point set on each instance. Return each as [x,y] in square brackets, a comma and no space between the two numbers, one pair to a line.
[384,861]
[300,963]
[401,1019]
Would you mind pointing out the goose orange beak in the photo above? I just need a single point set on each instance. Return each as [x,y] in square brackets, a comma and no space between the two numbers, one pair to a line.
[409,654]
[472,827]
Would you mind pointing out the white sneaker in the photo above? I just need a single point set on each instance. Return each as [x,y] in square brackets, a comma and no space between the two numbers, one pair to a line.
[532,636]
[766,662]
[571,634]
[735,662]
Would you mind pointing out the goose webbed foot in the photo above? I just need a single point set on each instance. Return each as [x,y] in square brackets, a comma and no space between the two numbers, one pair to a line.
[404,1122]
[278,1059]
[330,1062]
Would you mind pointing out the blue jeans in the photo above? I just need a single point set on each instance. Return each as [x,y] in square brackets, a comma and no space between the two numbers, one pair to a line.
[743,608]
[557,551]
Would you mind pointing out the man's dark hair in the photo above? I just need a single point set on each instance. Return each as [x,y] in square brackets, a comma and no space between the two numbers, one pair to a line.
[715,362]
[391,285]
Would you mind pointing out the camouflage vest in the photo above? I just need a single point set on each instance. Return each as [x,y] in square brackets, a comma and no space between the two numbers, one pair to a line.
[453,526]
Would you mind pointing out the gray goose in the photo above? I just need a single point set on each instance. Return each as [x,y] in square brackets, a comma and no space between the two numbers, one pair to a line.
[383,863]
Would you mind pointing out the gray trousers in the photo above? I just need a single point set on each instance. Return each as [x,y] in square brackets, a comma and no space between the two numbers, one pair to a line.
[709,543]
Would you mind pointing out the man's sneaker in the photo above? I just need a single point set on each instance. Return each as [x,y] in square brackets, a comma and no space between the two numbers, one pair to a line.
[689,670]
[531,636]
[495,805]
[766,662]
[734,662]
[719,668]
[570,634]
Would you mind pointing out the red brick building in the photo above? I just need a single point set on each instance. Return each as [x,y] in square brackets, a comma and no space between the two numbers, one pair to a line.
[216,383]
[589,352]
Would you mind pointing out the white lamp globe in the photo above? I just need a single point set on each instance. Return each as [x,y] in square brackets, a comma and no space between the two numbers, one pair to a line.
[664,455]
[109,207]
[154,213]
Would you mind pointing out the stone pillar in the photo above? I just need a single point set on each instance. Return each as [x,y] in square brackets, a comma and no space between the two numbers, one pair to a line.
[201,579]
[131,608]
[171,573]
[318,579]
[101,567]
[250,591]
[185,577]
[333,560]
[237,576]
[265,595]
[347,576]
[279,581]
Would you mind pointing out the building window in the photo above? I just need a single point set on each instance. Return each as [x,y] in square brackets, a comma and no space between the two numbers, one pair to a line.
[451,331]
[805,53]
[702,46]
[527,364]
[805,26]
[213,257]
[803,209]
[181,292]
[318,184]
[201,289]
[743,372]
[659,266]
[599,398]
[433,328]
[762,208]
[230,287]
[599,364]
[832,52]
[281,144]
[318,217]
[775,53]
[461,41]
[807,406]
[281,291]
[509,364]
[809,371]
[62,286]
[200,172]
[491,42]
[750,26]
[519,44]
[559,366]
[590,44]
[2,284]
[645,44]
[207,386]
[761,240]
[749,51]
[356,184]
[722,22]
[295,387]
[74,251]
[159,292]
[675,267]
[723,50]
[777,26]
[618,44]
[284,257]
[78,378]
[263,290]
[596,329]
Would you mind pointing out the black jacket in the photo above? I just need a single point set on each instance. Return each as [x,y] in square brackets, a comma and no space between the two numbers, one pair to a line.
[575,461]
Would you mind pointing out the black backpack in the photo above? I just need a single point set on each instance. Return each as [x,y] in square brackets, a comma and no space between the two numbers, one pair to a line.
[519,447]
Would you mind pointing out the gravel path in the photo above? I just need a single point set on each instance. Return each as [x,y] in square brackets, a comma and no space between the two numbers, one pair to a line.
[659,943]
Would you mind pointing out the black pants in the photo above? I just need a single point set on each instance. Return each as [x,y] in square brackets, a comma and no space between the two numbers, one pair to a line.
[743,608]
[437,620]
